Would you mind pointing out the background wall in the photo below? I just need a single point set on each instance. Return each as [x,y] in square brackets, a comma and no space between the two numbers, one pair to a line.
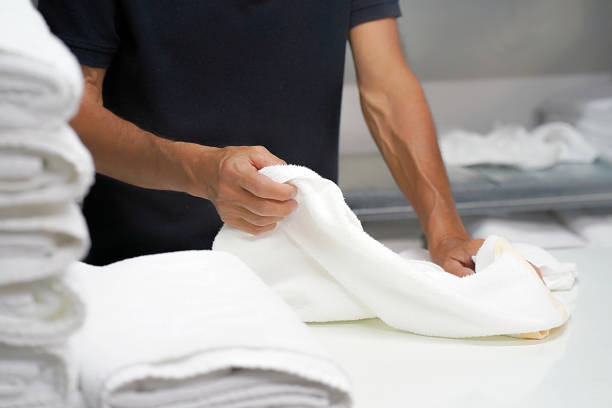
[483,62]
[467,39]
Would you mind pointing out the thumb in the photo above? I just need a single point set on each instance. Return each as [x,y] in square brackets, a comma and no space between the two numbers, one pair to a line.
[262,158]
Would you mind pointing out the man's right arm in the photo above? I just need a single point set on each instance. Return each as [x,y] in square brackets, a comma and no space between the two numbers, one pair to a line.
[227,176]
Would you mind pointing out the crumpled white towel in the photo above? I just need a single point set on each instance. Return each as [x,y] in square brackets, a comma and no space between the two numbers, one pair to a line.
[195,328]
[323,264]
[543,147]
[43,166]
[36,378]
[41,313]
[41,81]
[41,243]
[593,225]
[559,277]
[541,229]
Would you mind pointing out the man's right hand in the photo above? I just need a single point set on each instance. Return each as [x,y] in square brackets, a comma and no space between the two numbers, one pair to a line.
[243,197]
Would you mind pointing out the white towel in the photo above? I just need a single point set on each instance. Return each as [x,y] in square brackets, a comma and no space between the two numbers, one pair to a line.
[38,313]
[541,229]
[43,166]
[41,243]
[543,147]
[36,378]
[559,277]
[336,271]
[41,82]
[195,328]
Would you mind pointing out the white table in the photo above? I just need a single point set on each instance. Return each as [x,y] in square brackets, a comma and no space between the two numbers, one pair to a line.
[573,368]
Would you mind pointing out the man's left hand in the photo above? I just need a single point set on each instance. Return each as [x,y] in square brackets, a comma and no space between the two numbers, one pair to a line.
[455,254]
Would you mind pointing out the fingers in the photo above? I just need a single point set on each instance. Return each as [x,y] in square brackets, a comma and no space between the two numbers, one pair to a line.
[243,197]
[264,187]
[244,225]
[261,157]
[457,268]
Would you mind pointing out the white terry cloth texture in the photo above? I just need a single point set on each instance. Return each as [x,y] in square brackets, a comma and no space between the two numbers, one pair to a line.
[593,225]
[41,313]
[514,146]
[41,243]
[195,329]
[559,277]
[323,264]
[41,81]
[43,166]
[36,378]
[541,229]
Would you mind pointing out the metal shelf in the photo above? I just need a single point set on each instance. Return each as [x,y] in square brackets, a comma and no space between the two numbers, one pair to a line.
[371,193]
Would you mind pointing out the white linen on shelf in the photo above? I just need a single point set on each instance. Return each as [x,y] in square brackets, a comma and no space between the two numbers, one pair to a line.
[540,148]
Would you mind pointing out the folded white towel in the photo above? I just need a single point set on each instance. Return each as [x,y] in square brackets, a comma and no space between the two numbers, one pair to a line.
[41,82]
[36,378]
[38,313]
[541,229]
[341,273]
[40,243]
[195,328]
[514,146]
[43,166]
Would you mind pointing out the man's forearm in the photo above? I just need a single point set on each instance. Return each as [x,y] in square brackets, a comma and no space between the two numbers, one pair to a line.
[399,119]
[125,152]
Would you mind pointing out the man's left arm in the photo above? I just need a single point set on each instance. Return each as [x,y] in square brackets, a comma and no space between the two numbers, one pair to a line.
[399,119]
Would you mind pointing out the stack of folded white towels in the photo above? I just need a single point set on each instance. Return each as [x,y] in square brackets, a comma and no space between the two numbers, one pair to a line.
[44,171]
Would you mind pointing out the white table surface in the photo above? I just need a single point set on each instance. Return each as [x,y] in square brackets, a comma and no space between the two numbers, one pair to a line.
[572,368]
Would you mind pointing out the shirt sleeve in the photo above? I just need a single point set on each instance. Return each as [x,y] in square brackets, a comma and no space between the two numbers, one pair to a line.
[87,27]
[363,11]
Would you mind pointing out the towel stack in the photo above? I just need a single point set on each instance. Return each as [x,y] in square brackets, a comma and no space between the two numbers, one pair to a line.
[44,171]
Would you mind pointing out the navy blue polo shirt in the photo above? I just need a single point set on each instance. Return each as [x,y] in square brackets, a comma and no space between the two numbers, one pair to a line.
[214,72]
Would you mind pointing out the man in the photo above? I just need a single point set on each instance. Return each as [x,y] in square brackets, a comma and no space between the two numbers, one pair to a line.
[181,95]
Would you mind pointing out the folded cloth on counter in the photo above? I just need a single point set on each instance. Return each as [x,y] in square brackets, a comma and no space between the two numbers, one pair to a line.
[541,229]
[41,81]
[322,263]
[593,225]
[543,147]
[36,378]
[195,328]
[43,166]
[45,312]
[40,243]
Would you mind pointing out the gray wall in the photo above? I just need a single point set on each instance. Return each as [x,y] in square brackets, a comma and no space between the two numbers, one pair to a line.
[464,39]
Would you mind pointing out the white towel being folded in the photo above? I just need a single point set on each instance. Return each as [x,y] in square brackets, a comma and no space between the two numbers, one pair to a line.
[559,277]
[543,147]
[41,82]
[38,313]
[195,328]
[336,271]
[36,378]
[41,243]
[43,166]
